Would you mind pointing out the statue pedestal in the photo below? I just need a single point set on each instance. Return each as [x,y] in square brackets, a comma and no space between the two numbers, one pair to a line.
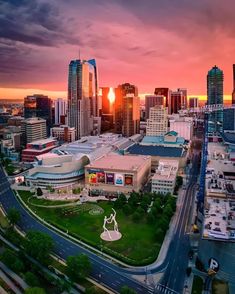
[111,236]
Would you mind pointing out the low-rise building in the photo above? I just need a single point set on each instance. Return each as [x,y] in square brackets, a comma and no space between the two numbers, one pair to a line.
[183,125]
[117,173]
[37,148]
[163,181]
[63,134]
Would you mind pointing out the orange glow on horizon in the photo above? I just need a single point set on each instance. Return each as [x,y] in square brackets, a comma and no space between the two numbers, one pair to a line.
[111,95]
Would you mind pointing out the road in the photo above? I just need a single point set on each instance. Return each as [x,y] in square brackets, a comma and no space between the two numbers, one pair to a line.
[103,270]
[177,258]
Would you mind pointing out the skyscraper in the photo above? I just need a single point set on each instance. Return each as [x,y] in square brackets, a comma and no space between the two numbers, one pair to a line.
[60,109]
[151,101]
[120,92]
[131,115]
[184,102]
[215,78]
[175,102]
[157,124]
[233,94]
[82,96]
[38,105]
[165,92]
[193,102]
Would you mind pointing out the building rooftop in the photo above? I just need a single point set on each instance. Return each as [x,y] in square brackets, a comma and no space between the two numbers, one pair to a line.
[162,151]
[228,137]
[167,170]
[219,211]
[119,162]
[43,141]
[33,120]
[162,140]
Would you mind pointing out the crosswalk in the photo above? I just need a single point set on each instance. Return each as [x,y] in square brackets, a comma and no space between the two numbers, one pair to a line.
[161,289]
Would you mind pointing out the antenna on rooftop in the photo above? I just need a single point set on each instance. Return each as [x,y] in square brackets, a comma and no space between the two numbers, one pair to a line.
[79,54]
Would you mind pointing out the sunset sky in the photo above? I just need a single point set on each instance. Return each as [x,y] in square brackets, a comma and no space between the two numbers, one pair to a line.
[149,43]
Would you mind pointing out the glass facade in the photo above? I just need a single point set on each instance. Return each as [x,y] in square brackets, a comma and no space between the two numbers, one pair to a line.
[82,96]
[215,78]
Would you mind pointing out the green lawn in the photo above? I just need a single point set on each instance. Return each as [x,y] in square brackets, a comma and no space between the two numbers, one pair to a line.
[37,201]
[3,221]
[138,244]
[197,285]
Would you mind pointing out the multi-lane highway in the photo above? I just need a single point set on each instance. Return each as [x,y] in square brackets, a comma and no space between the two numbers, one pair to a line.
[106,272]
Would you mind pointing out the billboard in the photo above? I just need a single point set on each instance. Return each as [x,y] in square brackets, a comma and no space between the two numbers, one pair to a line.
[92,176]
[100,177]
[128,180]
[119,180]
[110,178]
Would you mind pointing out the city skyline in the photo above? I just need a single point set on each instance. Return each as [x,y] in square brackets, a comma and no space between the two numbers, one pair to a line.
[149,39]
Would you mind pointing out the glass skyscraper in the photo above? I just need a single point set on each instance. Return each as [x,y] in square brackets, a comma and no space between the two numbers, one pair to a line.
[215,78]
[82,96]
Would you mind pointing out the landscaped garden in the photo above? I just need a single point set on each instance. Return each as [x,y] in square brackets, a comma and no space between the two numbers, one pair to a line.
[143,221]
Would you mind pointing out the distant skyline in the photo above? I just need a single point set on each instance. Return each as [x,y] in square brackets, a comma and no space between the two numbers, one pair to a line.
[147,43]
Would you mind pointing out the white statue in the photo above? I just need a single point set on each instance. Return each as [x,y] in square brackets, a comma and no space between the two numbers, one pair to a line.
[114,234]
[106,220]
[113,219]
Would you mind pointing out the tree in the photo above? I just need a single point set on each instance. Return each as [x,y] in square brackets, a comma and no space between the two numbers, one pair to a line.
[159,234]
[78,267]
[35,290]
[12,261]
[39,192]
[188,271]
[127,209]
[150,218]
[127,290]
[39,245]
[179,181]
[136,216]
[31,279]
[13,216]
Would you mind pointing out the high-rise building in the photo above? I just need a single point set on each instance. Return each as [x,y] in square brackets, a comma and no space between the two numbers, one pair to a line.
[215,78]
[60,109]
[82,96]
[193,102]
[175,103]
[107,111]
[165,92]
[105,100]
[157,124]
[184,102]
[131,115]
[38,105]
[120,92]
[33,129]
[151,101]
[233,94]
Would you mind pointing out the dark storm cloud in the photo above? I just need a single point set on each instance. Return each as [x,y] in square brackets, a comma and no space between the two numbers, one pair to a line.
[34,22]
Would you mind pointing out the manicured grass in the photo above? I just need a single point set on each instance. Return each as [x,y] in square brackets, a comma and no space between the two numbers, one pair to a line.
[219,287]
[197,285]
[138,244]
[3,221]
[25,195]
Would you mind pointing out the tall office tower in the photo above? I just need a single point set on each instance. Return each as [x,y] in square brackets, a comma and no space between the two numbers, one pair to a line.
[38,105]
[165,92]
[233,94]
[157,124]
[151,101]
[33,129]
[193,102]
[120,92]
[215,78]
[82,96]
[60,109]
[105,100]
[184,102]
[175,101]
[131,115]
